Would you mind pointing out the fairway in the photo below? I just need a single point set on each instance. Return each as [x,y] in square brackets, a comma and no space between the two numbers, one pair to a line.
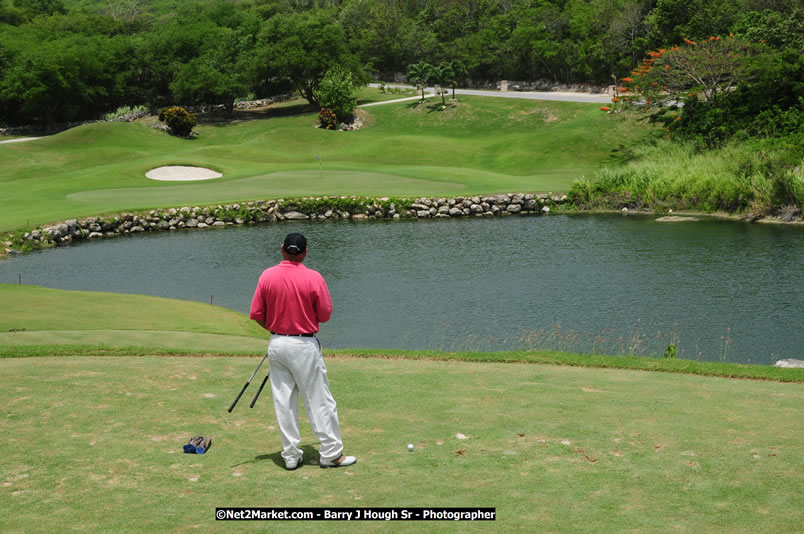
[479,145]
[95,444]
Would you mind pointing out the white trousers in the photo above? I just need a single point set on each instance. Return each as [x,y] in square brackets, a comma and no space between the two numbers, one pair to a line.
[297,367]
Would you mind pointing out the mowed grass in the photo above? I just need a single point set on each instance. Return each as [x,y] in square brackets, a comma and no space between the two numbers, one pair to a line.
[38,321]
[478,145]
[94,444]
[40,316]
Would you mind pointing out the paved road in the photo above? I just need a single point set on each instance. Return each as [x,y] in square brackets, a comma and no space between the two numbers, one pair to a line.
[19,140]
[594,98]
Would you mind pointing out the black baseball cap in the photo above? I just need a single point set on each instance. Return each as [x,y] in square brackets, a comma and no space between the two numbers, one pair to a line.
[295,244]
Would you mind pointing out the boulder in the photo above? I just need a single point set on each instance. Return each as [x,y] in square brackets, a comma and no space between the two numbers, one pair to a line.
[790,363]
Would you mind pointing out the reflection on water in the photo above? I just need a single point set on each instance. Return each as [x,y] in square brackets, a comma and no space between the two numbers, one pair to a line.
[603,284]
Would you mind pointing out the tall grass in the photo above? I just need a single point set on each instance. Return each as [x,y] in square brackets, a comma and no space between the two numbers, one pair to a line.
[760,178]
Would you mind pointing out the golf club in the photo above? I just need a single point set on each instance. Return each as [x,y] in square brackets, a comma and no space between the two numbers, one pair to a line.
[247,383]
[260,390]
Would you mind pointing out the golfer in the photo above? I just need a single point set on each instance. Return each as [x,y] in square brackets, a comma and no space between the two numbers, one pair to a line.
[290,301]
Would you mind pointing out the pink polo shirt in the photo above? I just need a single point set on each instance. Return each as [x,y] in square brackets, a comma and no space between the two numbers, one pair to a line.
[291,299]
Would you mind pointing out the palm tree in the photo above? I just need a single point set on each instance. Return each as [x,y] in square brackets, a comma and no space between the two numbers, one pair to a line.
[458,72]
[443,75]
[419,73]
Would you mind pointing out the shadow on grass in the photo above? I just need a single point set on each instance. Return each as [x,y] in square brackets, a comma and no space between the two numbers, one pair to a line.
[222,118]
[310,455]
[431,107]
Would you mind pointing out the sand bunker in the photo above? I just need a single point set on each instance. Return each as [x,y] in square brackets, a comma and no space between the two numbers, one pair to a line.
[179,173]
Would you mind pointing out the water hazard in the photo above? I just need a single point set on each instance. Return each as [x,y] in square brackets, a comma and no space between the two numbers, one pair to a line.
[720,291]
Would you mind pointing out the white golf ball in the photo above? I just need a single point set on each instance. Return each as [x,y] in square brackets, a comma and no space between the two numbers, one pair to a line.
[410,447]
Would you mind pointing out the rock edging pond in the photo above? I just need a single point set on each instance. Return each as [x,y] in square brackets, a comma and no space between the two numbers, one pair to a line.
[270,211]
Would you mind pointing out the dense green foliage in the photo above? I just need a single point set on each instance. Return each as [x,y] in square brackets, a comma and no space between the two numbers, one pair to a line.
[336,92]
[64,60]
[755,177]
[179,120]
[768,105]
[733,109]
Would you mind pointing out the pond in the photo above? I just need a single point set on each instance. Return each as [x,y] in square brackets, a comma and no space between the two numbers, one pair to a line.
[609,284]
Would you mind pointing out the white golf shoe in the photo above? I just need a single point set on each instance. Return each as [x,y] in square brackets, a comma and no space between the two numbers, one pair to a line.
[341,461]
[292,464]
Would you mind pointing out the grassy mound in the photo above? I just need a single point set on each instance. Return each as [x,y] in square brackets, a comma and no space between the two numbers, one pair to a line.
[478,145]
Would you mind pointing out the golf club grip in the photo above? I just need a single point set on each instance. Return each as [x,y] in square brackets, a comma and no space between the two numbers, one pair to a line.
[264,380]
[238,396]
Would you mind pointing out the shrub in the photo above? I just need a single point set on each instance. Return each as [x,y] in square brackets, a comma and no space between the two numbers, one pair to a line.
[122,111]
[337,92]
[328,119]
[180,121]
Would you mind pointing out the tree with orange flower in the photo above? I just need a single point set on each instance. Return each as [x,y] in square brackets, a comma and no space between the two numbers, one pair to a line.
[697,69]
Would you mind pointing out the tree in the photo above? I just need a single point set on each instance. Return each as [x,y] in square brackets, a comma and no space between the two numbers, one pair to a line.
[126,10]
[442,75]
[715,89]
[337,92]
[62,80]
[419,74]
[458,72]
[628,34]
[711,67]
[219,75]
[301,47]
[11,15]
[768,105]
[41,7]
[672,20]
[773,28]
